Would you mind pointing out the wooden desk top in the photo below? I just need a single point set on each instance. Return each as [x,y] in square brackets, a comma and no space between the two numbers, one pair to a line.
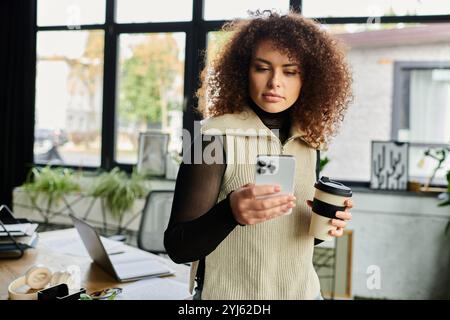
[93,278]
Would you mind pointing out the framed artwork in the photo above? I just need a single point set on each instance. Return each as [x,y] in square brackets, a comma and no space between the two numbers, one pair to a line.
[389,165]
[152,153]
[333,263]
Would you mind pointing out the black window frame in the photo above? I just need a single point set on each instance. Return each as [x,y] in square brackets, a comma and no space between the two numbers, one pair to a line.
[196,32]
[401,98]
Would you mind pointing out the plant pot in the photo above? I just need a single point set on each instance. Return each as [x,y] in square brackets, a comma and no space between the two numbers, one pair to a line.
[414,186]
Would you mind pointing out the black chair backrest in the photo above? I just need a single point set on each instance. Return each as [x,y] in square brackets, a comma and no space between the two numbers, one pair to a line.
[154,221]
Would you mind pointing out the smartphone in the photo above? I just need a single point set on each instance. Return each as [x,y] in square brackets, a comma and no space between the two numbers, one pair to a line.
[276,169]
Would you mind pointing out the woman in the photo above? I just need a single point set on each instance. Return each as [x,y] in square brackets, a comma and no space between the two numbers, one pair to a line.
[275,74]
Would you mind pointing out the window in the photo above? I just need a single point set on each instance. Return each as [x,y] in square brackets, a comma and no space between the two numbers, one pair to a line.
[372,8]
[147,73]
[132,11]
[69,85]
[222,10]
[71,13]
[151,80]
[214,42]
[422,112]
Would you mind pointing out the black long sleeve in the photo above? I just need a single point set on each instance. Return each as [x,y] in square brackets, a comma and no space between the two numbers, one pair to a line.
[197,223]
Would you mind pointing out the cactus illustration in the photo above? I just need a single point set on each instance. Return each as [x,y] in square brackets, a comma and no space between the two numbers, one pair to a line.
[398,177]
[393,165]
[378,166]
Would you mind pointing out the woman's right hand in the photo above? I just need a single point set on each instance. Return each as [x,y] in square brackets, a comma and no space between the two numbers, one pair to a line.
[249,210]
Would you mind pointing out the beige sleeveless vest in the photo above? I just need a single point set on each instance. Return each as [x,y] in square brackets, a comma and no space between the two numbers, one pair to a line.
[273,259]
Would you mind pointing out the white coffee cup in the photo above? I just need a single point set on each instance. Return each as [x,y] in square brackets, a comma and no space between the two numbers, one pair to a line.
[329,197]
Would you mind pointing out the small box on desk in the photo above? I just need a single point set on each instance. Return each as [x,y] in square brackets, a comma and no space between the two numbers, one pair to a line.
[16,235]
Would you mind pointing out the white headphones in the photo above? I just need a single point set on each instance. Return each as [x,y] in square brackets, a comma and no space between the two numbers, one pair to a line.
[40,277]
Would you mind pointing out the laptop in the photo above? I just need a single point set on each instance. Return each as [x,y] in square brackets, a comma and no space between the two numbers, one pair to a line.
[133,264]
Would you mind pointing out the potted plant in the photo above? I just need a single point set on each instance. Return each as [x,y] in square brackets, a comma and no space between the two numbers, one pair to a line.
[439,155]
[117,193]
[323,163]
[445,198]
[50,185]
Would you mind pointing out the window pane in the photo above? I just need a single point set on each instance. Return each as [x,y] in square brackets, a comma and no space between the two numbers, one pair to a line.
[70,12]
[129,11]
[69,97]
[429,119]
[222,10]
[151,80]
[215,41]
[429,106]
[373,50]
[373,8]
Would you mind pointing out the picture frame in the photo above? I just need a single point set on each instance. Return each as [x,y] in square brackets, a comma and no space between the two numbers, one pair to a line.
[152,153]
[389,169]
[333,263]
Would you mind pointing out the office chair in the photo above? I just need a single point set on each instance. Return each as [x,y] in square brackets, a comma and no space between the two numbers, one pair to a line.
[154,220]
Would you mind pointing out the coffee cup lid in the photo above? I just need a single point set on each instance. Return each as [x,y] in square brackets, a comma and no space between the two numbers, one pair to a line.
[325,184]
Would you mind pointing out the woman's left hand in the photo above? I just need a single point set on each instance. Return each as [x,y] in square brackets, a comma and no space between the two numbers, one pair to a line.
[344,215]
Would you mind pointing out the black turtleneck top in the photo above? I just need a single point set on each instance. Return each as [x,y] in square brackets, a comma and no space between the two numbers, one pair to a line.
[198,223]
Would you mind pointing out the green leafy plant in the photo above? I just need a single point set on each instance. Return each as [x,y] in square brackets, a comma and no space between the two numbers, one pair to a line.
[118,190]
[446,201]
[50,184]
[85,296]
[440,155]
[323,163]
[176,157]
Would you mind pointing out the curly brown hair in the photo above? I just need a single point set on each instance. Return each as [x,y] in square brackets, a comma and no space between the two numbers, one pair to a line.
[326,88]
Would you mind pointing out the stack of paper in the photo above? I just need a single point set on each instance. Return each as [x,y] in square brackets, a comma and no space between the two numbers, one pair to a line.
[19,229]
[73,245]
[20,235]
[155,289]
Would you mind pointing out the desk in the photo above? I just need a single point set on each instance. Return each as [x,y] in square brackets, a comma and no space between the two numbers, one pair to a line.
[93,278]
